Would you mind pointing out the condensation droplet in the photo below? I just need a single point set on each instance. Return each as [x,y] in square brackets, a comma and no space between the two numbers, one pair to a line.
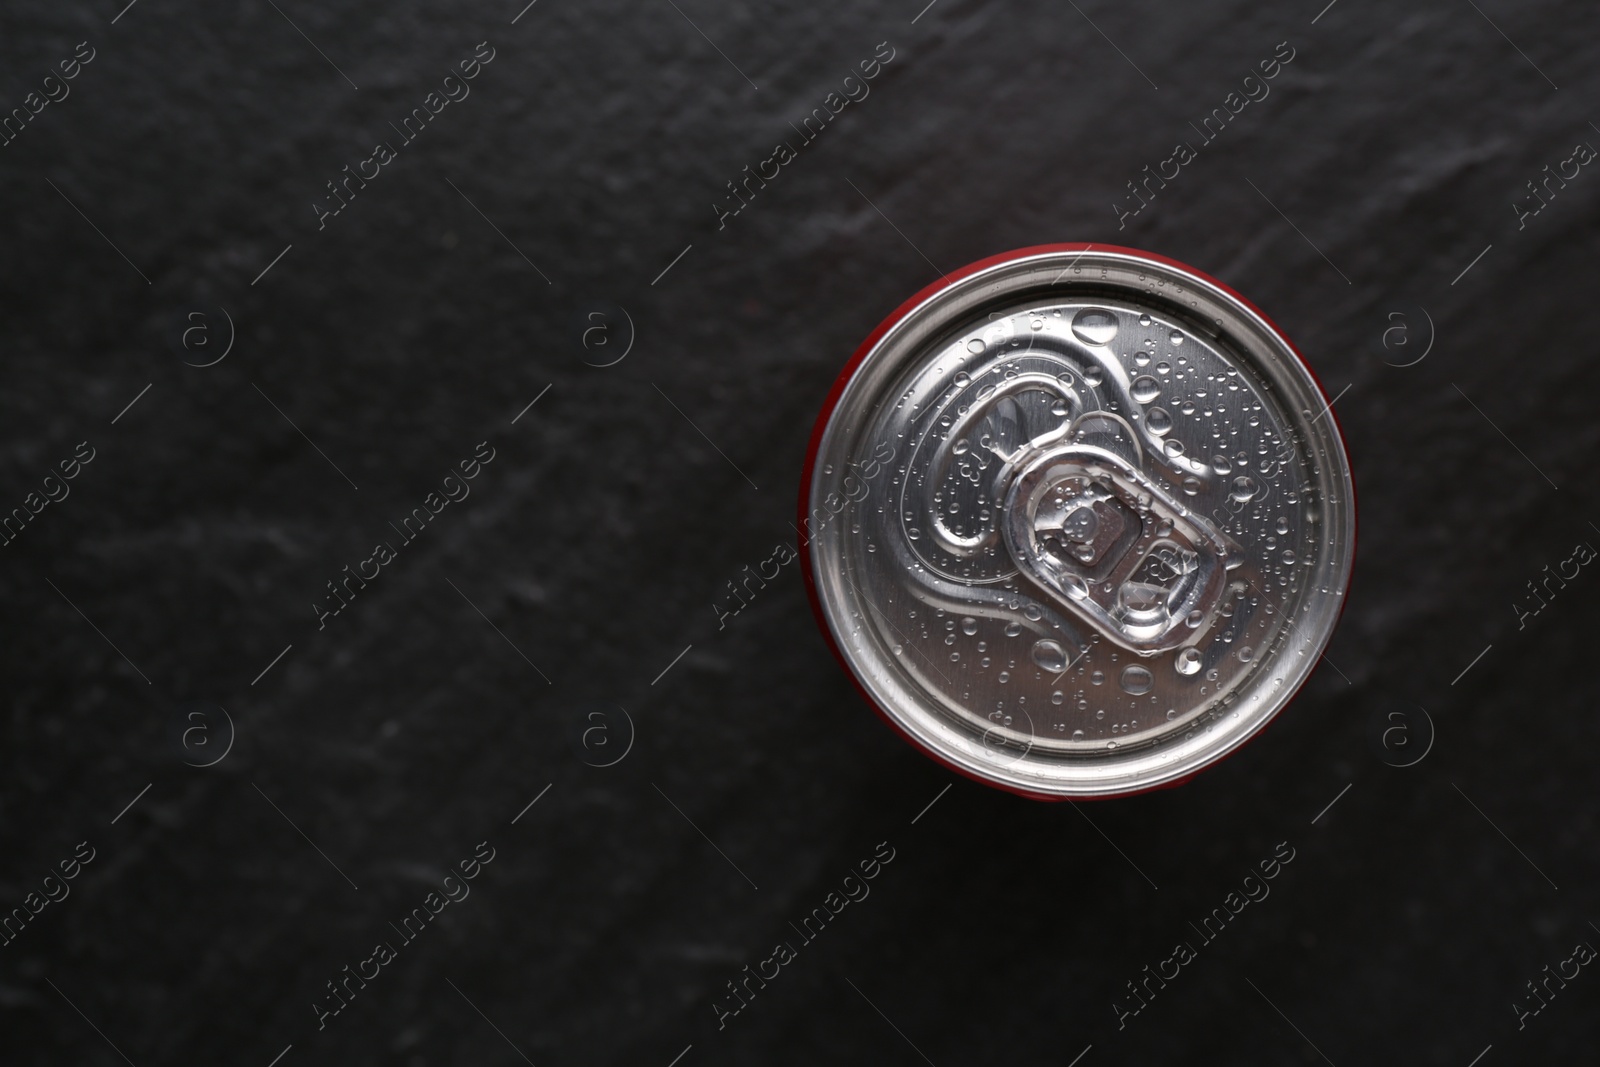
[969,626]
[1050,656]
[1145,389]
[1187,661]
[1137,680]
[1094,326]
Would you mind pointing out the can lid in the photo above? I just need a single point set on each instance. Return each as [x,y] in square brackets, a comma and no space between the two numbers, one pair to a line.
[1078,521]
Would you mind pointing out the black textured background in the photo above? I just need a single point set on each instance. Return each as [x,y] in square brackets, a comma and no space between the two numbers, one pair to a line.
[407,731]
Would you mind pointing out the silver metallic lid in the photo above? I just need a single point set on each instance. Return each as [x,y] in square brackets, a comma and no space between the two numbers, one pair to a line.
[1081,522]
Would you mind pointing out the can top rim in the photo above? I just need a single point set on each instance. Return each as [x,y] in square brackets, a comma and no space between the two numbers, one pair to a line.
[974,276]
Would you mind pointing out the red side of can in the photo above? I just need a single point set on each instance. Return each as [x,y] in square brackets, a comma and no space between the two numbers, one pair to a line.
[832,401]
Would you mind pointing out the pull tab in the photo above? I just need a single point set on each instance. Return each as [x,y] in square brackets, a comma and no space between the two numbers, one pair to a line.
[1085,522]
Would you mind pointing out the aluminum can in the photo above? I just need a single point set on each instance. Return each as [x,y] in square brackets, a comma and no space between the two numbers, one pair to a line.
[1077,520]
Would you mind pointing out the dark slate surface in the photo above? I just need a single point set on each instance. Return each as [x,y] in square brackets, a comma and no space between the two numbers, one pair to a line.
[419,722]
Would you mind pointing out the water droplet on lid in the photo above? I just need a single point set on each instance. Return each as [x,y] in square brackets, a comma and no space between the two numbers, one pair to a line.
[1159,421]
[1094,326]
[1013,629]
[1033,612]
[1145,389]
[1283,525]
[1050,656]
[963,380]
[969,626]
[913,533]
[1093,375]
[1187,661]
[1037,324]
[1077,735]
[961,446]
[1191,485]
[1005,676]
[976,345]
[1075,587]
[1194,619]
[1246,654]
[1141,359]
[1244,487]
[1098,678]
[1221,465]
[1058,408]
[1174,448]
[1176,338]
[1288,555]
[1137,680]
[1144,320]
[1057,697]
[1163,368]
